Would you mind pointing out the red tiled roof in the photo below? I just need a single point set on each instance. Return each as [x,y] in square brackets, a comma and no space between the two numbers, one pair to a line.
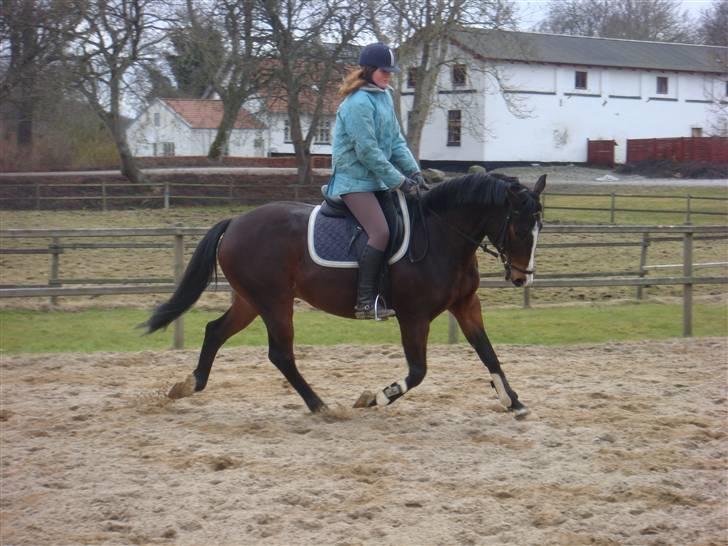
[279,104]
[207,114]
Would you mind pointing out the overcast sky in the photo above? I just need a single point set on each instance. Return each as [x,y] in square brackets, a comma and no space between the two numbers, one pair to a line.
[533,11]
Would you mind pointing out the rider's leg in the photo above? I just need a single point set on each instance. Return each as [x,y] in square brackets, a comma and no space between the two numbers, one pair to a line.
[366,209]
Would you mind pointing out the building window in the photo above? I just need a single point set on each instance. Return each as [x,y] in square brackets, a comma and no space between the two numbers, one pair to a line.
[157,119]
[580,81]
[287,130]
[323,132]
[459,75]
[454,127]
[411,78]
[661,85]
[163,149]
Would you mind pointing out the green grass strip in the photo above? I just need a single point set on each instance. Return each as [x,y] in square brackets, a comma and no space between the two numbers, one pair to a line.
[114,329]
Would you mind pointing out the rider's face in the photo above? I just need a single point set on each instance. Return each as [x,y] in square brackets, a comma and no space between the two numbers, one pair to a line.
[381,78]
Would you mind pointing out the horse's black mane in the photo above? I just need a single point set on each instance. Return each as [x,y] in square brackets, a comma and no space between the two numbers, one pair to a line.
[474,189]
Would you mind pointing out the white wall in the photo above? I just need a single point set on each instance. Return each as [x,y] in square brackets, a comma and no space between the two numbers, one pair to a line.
[143,134]
[556,119]
[275,135]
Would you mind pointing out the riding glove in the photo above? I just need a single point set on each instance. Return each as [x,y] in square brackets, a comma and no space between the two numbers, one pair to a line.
[420,181]
[407,186]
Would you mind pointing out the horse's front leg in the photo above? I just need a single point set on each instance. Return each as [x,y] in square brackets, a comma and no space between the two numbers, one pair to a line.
[468,314]
[414,340]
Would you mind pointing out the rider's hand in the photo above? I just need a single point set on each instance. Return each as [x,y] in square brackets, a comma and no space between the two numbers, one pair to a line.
[407,186]
[420,181]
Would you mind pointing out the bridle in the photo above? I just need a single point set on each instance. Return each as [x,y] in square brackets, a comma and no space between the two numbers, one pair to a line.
[502,243]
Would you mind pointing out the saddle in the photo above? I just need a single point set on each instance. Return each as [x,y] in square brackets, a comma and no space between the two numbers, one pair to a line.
[335,238]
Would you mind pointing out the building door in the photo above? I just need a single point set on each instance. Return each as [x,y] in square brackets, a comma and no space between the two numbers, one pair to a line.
[600,152]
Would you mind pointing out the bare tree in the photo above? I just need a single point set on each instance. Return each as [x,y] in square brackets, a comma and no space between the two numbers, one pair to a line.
[655,20]
[33,34]
[425,29]
[713,24]
[305,67]
[115,37]
[230,44]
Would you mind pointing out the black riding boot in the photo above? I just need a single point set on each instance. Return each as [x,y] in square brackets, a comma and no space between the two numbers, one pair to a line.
[367,306]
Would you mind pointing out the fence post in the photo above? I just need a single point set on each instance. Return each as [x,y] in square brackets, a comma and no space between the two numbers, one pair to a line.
[54,276]
[230,191]
[103,196]
[452,329]
[37,195]
[613,206]
[179,251]
[688,287]
[166,195]
[527,297]
[643,263]
[688,214]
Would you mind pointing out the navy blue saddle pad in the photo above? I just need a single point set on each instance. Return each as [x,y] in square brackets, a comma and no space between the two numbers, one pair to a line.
[338,241]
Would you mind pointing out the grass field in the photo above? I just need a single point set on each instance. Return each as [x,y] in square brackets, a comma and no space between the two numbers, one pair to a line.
[115,329]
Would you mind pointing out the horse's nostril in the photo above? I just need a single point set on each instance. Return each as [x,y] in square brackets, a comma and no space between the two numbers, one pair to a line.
[518,282]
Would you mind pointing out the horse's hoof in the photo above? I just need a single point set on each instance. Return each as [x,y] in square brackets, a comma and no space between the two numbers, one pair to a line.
[366,400]
[521,413]
[183,389]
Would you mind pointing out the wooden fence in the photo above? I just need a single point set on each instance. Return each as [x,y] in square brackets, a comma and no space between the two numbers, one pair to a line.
[619,202]
[181,238]
[101,195]
[711,149]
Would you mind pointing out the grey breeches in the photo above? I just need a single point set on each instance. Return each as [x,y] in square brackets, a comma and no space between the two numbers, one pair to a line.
[366,209]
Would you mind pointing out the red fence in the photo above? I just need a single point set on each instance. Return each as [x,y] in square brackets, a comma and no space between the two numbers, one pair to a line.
[711,149]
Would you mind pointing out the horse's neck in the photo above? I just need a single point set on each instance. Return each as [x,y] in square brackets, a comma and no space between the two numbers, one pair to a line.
[473,225]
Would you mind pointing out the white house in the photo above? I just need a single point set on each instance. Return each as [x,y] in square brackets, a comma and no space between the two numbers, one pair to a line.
[527,97]
[187,127]
[273,112]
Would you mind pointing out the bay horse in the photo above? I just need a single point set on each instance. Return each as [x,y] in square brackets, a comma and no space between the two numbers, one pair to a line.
[264,256]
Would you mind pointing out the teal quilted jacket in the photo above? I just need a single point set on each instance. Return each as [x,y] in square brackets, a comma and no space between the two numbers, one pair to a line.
[369,151]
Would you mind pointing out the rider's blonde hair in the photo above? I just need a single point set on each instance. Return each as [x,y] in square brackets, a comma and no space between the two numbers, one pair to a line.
[356,79]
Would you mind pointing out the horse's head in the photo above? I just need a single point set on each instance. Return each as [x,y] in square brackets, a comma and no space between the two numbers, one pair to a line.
[520,232]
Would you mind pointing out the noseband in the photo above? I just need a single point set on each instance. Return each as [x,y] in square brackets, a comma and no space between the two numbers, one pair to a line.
[502,245]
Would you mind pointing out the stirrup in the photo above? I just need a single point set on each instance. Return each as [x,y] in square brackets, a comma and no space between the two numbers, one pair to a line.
[376,310]
[386,311]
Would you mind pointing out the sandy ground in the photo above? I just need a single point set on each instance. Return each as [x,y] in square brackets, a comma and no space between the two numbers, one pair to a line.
[626,445]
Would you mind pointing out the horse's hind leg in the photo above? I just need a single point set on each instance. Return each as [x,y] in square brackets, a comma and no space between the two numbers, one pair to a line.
[468,314]
[279,322]
[217,332]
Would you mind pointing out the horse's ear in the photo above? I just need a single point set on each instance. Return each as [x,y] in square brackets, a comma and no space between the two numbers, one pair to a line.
[540,185]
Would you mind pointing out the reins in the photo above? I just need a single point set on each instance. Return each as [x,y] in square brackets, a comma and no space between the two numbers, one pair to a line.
[501,244]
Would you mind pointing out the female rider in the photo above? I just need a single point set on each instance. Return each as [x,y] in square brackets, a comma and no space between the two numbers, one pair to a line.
[370,155]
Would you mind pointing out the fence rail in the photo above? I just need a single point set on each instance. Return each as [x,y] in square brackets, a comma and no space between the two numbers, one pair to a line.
[165,194]
[688,234]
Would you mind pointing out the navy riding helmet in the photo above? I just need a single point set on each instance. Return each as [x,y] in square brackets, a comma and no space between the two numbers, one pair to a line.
[379,55]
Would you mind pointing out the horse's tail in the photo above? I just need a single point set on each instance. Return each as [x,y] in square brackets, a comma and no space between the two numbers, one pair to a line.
[197,277]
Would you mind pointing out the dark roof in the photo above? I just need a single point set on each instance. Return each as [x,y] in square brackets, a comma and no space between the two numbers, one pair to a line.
[579,50]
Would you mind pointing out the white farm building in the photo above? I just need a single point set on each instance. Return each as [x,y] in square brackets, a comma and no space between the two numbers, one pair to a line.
[525,97]
[187,127]
[502,97]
